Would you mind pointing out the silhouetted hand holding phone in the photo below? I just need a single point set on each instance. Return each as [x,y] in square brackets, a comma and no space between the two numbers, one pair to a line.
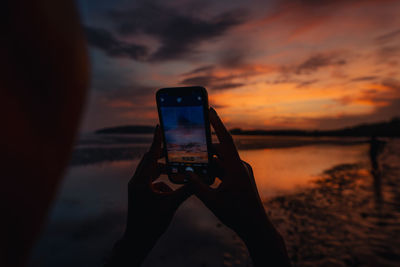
[151,206]
[237,204]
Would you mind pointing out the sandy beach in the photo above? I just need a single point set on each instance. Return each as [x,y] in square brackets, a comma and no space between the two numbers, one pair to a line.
[341,221]
[340,216]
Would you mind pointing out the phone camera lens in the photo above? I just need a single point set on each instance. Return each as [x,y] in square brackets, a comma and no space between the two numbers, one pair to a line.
[199,98]
[179,99]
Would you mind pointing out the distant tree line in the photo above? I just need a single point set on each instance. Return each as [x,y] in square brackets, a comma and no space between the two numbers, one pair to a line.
[384,129]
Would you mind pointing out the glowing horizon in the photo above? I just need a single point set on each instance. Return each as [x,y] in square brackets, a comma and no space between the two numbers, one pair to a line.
[281,64]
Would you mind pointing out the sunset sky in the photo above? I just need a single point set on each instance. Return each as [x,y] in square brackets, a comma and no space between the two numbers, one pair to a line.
[305,64]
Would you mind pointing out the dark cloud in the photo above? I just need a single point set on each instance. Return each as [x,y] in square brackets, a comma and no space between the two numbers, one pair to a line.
[302,84]
[135,94]
[233,57]
[281,80]
[213,82]
[288,79]
[388,36]
[323,6]
[104,40]
[220,77]
[290,74]
[179,34]
[386,53]
[199,70]
[393,84]
[317,62]
[226,86]
[364,78]
[203,80]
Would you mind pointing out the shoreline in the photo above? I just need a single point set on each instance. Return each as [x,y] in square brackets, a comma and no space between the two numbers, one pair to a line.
[116,148]
[342,220]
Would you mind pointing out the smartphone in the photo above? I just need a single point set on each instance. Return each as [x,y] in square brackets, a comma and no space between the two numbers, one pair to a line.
[183,114]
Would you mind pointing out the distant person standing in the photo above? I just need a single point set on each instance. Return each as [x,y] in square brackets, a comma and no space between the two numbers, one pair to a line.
[375,149]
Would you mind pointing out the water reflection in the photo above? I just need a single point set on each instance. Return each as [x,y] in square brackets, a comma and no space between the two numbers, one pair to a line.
[89,213]
[375,149]
[337,223]
[280,170]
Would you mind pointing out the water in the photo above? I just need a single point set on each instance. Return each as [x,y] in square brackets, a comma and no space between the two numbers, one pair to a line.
[278,171]
[89,213]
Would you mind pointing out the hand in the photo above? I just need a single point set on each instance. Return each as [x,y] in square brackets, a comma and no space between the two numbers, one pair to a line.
[151,207]
[236,201]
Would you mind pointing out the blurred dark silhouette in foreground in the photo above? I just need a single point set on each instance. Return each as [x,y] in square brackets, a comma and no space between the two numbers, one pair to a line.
[44,74]
[44,77]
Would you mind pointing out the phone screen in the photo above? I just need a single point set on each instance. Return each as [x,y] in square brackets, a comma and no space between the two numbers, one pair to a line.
[185,133]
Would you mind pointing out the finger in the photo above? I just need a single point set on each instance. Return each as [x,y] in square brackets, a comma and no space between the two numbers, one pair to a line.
[223,135]
[138,172]
[155,148]
[217,149]
[147,171]
[217,168]
[218,185]
[161,187]
[162,168]
[178,177]
[217,162]
[202,190]
[248,168]
[163,153]
[220,157]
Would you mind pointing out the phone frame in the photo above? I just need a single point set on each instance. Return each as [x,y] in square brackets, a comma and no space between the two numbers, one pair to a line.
[181,91]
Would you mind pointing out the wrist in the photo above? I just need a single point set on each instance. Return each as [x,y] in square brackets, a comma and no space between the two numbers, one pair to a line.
[125,254]
[130,250]
[265,244]
[145,235]
[252,226]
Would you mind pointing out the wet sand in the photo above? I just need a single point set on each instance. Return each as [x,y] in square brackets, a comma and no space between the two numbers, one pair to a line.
[340,221]
[336,220]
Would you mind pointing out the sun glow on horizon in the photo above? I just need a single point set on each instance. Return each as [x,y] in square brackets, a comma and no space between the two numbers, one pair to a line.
[279,65]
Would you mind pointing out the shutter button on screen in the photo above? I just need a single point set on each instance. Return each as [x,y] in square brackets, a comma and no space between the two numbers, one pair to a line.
[189,169]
